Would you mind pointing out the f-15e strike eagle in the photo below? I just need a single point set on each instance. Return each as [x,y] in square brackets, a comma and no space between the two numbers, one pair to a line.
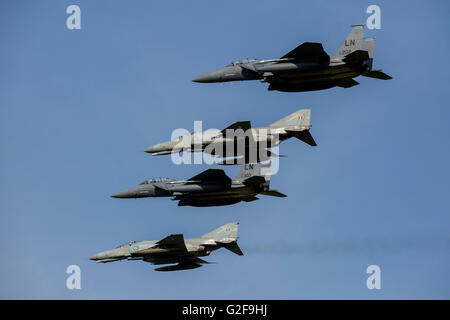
[175,249]
[308,67]
[210,188]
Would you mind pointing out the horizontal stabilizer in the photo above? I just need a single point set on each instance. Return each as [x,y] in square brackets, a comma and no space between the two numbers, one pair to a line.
[306,137]
[377,74]
[274,193]
[233,247]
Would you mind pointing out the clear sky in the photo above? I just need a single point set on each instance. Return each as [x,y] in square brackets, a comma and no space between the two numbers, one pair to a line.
[79,107]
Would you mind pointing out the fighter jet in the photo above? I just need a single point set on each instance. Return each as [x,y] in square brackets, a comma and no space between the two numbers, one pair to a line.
[241,140]
[210,188]
[308,67]
[175,249]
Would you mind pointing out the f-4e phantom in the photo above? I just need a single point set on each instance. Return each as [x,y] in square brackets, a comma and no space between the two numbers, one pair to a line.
[210,188]
[175,249]
[241,140]
[308,67]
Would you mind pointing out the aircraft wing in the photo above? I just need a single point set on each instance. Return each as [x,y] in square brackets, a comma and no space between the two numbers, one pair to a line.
[212,175]
[347,83]
[308,50]
[244,125]
[174,241]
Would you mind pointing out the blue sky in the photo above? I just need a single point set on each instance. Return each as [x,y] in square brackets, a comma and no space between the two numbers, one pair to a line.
[79,107]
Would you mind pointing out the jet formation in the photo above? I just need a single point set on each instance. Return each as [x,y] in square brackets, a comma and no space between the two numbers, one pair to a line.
[210,188]
[239,142]
[175,249]
[308,67]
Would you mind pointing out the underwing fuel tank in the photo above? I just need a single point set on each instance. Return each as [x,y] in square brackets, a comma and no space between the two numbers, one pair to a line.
[301,87]
[211,203]
[178,267]
[152,251]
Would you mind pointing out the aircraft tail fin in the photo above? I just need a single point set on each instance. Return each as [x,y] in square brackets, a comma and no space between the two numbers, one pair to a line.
[369,46]
[298,123]
[225,233]
[226,236]
[353,42]
[298,118]
[252,171]
[248,170]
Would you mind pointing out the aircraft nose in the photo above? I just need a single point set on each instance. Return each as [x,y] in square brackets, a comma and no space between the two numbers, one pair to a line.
[94,257]
[150,149]
[158,148]
[164,148]
[124,194]
[214,76]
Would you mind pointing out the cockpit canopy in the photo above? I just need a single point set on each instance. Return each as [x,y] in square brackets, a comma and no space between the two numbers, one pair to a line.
[239,62]
[153,180]
[125,244]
